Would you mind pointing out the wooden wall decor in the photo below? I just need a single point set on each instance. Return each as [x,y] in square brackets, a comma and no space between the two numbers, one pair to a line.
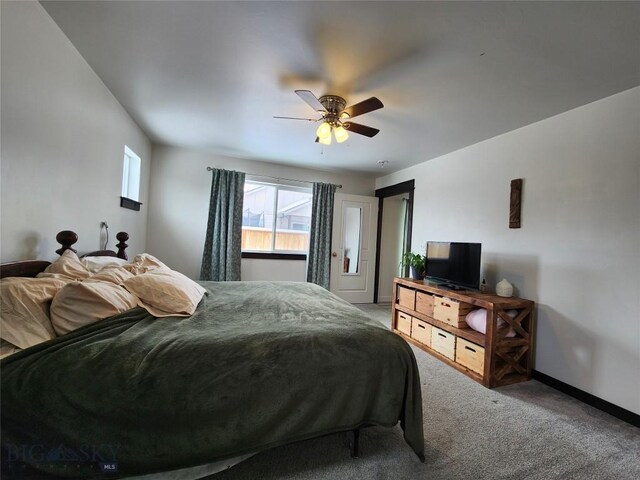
[515,200]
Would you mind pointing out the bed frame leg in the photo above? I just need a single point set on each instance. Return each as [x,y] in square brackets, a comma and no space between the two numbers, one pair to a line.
[354,446]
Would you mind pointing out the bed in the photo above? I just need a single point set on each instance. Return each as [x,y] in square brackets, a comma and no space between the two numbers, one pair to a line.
[257,365]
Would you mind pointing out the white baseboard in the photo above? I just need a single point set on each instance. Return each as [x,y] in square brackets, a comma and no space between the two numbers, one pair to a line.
[386,299]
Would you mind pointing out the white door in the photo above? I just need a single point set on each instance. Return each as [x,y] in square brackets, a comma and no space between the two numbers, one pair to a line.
[353,247]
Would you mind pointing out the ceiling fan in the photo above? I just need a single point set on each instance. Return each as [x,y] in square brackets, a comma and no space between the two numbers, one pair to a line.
[335,116]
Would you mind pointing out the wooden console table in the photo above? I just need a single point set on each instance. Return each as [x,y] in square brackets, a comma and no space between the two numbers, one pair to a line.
[432,318]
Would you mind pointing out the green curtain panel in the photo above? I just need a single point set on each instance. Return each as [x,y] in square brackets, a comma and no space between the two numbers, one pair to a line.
[319,258]
[223,243]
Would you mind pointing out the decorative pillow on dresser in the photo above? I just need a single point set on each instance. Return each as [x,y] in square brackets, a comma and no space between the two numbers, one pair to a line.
[477,319]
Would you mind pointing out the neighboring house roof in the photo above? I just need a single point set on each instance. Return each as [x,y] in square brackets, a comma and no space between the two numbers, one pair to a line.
[250,189]
[295,206]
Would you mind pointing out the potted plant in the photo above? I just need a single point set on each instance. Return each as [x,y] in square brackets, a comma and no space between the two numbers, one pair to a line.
[417,264]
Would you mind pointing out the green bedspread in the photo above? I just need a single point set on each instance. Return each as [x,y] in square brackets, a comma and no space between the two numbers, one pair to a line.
[259,364]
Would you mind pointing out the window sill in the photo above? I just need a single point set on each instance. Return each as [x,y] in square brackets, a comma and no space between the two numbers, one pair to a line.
[130,204]
[274,256]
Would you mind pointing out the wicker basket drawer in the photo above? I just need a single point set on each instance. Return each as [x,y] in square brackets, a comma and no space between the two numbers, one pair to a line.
[406,297]
[424,303]
[450,311]
[470,355]
[421,331]
[403,323]
[443,342]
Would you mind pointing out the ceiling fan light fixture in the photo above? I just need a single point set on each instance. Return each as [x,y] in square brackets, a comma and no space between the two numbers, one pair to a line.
[325,140]
[323,131]
[333,111]
[341,134]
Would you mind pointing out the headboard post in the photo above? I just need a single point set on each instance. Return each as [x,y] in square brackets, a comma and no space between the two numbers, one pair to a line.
[122,238]
[66,238]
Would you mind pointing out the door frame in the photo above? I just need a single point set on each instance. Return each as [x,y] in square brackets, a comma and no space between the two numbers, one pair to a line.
[382,193]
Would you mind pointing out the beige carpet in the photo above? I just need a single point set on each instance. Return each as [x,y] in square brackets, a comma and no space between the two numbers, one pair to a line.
[524,431]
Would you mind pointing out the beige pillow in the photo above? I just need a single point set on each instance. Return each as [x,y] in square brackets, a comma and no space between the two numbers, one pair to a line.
[144,263]
[24,311]
[82,303]
[116,275]
[68,265]
[164,292]
[96,263]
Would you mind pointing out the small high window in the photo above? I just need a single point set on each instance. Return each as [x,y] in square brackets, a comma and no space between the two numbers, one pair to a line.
[130,180]
[131,175]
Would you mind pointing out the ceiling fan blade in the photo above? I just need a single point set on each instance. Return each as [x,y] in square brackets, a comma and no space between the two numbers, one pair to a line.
[311,100]
[297,118]
[366,106]
[361,129]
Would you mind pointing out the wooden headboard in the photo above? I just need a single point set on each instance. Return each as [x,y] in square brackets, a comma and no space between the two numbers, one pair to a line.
[66,238]
[26,268]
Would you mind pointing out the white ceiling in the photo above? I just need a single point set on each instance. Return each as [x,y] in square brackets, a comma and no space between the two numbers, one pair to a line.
[211,75]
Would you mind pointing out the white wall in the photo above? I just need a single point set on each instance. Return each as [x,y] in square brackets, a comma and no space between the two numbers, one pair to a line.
[63,135]
[391,245]
[578,251]
[179,205]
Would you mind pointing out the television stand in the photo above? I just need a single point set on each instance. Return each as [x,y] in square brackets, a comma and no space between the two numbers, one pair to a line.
[450,286]
[433,319]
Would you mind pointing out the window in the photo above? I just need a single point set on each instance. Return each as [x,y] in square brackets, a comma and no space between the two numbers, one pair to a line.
[131,175]
[275,218]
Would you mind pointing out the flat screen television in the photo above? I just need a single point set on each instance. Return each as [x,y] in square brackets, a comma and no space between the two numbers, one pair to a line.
[454,264]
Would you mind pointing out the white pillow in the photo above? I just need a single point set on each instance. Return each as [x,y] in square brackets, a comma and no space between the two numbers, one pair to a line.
[95,264]
[165,293]
[477,319]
